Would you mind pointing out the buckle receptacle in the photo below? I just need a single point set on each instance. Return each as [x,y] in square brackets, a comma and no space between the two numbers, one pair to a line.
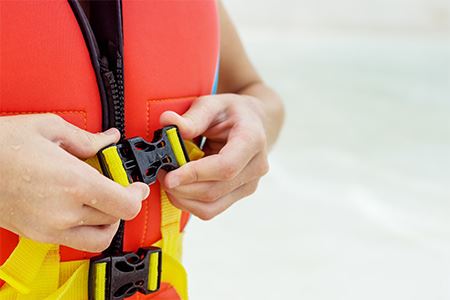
[142,160]
[115,277]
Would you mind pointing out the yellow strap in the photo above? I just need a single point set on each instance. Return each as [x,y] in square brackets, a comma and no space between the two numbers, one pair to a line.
[152,284]
[114,165]
[176,146]
[93,162]
[171,242]
[170,215]
[193,151]
[75,287]
[100,280]
[19,271]
[34,272]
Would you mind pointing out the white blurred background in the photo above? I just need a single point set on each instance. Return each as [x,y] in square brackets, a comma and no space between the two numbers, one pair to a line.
[357,203]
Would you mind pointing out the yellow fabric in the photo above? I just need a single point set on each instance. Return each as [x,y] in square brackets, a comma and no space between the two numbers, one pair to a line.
[34,271]
[170,215]
[76,286]
[93,162]
[193,151]
[114,165]
[173,271]
[100,281]
[176,146]
[152,284]
[12,271]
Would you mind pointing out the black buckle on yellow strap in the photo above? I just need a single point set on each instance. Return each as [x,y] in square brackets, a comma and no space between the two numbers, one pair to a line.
[114,274]
[142,160]
[119,276]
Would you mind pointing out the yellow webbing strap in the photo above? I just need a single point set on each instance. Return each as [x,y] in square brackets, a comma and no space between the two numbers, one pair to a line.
[75,286]
[152,284]
[35,277]
[34,271]
[100,280]
[12,271]
[171,243]
[176,146]
[114,165]
[117,173]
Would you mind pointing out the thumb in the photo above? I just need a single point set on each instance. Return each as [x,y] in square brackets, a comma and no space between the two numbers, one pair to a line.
[74,140]
[84,144]
[194,122]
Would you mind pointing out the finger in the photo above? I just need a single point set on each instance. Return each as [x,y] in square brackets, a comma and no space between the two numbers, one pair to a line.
[203,112]
[83,144]
[210,191]
[74,140]
[161,177]
[113,199]
[206,192]
[87,186]
[92,216]
[89,238]
[207,211]
[232,158]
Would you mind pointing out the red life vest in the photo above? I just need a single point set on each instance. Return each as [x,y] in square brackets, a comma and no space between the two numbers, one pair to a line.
[170,57]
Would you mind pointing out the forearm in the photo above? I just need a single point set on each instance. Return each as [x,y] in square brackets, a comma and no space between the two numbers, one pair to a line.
[238,76]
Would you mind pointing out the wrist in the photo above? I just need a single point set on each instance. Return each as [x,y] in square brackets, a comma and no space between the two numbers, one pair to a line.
[269,107]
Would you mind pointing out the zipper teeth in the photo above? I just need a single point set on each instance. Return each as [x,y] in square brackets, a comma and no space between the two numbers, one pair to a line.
[111,88]
[114,83]
[119,103]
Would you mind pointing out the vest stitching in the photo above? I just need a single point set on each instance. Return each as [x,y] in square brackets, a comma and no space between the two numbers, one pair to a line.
[81,112]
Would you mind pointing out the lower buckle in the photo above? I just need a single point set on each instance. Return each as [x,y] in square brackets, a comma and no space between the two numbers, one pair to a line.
[119,276]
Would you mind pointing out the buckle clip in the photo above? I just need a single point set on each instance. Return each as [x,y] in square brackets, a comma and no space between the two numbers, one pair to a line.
[142,160]
[116,277]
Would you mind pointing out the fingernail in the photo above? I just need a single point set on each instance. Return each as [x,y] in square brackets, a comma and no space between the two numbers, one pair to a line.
[146,192]
[140,188]
[175,113]
[110,131]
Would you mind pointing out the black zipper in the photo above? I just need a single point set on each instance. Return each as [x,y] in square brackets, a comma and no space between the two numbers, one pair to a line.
[104,39]
[106,58]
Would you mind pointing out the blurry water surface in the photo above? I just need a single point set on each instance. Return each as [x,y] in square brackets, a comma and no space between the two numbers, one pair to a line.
[357,203]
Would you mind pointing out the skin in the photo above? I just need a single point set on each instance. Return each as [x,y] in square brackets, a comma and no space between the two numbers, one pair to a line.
[80,208]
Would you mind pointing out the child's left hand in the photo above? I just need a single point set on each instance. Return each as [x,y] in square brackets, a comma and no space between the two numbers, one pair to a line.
[236,150]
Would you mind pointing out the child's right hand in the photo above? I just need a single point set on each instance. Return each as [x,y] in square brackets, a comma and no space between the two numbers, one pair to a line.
[48,194]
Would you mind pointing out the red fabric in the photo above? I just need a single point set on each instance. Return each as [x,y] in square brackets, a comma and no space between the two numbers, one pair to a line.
[170,57]
[166,292]
[45,67]
[45,64]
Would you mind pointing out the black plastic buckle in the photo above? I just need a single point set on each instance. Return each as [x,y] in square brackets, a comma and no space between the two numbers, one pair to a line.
[124,275]
[142,160]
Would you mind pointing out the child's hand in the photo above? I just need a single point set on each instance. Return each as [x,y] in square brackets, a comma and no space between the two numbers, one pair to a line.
[48,194]
[236,150]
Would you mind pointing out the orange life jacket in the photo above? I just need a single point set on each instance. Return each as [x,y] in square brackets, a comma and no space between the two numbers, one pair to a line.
[170,57]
